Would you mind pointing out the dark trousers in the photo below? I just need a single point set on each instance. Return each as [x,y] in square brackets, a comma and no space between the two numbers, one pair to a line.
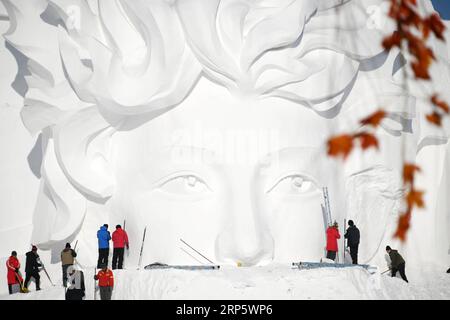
[354,253]
[331,255]
[13,288]
[105,293]
[102,257]
[118,257]
[401,269]
[74,294]
[36,276]
[64,271]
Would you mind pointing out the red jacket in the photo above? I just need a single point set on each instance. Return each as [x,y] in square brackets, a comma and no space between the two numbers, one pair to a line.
[12,264]
[105,278]
[332,236]
[120,238]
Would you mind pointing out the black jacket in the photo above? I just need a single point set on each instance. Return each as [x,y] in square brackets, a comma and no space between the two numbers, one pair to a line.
[32,264]
[396,259]
[352,236]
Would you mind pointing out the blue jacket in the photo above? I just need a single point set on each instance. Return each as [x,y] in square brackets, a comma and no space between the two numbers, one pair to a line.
[103,237]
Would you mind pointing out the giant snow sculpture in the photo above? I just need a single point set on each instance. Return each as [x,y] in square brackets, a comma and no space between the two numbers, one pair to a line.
[206,120]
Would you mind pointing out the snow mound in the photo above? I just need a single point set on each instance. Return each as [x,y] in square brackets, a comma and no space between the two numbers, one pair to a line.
[271,282]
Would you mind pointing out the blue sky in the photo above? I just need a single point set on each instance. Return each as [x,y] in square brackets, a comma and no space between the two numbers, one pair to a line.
[443,7]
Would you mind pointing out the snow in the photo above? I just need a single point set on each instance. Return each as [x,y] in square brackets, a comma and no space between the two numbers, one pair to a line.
[54,184]
[270,282]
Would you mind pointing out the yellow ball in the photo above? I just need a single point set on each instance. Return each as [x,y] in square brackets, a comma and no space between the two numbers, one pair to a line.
[239,264]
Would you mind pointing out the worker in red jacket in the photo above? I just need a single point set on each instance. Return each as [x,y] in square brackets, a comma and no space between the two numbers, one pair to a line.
[332,244]
[15,280]
[120,241]
[105,279]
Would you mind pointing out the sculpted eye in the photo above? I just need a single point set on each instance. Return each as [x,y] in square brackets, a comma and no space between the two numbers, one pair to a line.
[185,185]
[293,184]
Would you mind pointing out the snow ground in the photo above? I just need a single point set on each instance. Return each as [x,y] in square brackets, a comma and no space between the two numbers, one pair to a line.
[270,282]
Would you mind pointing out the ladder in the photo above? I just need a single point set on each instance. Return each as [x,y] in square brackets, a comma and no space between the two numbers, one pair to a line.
[327,208]
[326,211]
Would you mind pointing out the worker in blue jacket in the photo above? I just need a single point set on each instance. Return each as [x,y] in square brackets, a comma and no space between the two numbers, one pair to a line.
[103,237]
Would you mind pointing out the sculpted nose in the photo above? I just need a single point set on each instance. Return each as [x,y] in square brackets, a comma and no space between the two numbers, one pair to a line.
[244,239]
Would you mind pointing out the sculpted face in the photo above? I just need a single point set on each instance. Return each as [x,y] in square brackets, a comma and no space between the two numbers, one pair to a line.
[206,121]
[239,180]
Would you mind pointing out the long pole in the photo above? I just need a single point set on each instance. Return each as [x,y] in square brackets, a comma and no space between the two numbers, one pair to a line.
[196,251]
[18,276]
[128,252]
[95,284]
[345,248]
[184,250]
[75,259]
[45,270]
[142,248]
[75,250]
[325,223]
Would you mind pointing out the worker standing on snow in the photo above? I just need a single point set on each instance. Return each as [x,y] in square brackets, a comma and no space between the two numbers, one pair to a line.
[352,236]
[75,281]
[103,237]
[332,244]
[15,281]
[32,268]
[67,259]
[120,241]
[397,263]
[105,279]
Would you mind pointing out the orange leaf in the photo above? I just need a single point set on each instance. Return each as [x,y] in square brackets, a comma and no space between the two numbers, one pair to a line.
[440,103]
[435,118]
[368,140]
[405,11]
[435,23]
[420,71]
[403,226]
[425,30]
[415,198]
[409,170]
[391,41]
[374,119]
[340,146]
